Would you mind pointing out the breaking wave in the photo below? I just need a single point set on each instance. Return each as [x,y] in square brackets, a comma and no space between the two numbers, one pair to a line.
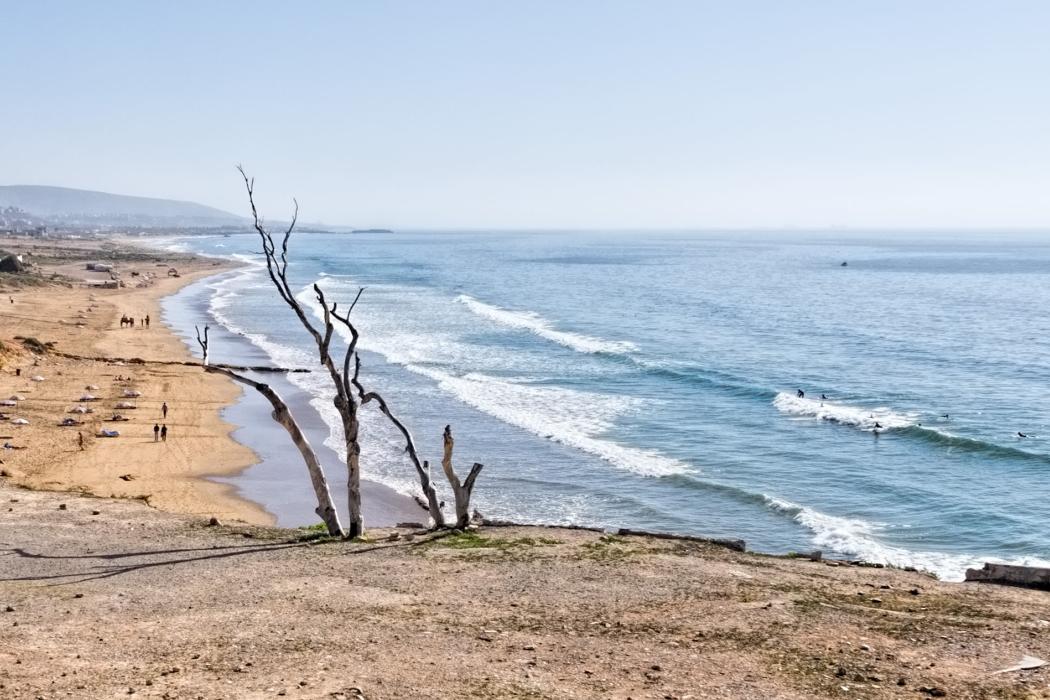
[862,418]
[536,324]
[857,538]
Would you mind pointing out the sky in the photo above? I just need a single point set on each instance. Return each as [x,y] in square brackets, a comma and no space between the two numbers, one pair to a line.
[534,114]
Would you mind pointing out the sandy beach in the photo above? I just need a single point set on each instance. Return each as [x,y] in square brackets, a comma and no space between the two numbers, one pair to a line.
[84,321]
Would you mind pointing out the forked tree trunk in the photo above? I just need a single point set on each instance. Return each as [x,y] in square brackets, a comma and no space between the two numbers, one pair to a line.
[461,491]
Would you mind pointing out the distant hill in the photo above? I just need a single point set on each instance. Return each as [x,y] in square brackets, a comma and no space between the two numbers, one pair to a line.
[84,207]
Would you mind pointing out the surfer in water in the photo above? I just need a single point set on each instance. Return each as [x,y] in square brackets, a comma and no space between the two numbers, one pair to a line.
[823,397]
[1021,435]
[878,425]
[801,394]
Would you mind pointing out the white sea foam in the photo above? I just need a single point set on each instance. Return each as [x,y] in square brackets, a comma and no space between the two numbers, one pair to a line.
[863,418]
[569,417]
[576,419]
[858,538]
[534,323]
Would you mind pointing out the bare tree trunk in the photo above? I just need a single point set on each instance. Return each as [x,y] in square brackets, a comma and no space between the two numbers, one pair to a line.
[325,506]
[461,491]
[345,403]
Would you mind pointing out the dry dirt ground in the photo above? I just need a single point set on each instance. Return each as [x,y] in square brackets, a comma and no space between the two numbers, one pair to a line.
[104,598]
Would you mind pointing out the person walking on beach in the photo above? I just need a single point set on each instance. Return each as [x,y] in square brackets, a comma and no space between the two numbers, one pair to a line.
[164,409]
[164,433]
[80,441]
[156,432]
[147,320]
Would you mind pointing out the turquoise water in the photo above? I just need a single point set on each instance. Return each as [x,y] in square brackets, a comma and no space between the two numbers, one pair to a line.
[650,380]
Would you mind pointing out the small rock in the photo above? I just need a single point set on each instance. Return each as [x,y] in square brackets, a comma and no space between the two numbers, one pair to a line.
[914,591]
[214,522]
[529,647]
[9,609]
[934,692]
[865,647]
[127,477]
[96,512]
[840,672]
[656,667]
[901,682]
[877,601]
[78,595]
[61,506]
[393,537]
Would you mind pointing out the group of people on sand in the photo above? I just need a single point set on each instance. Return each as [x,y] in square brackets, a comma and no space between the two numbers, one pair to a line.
[129,322]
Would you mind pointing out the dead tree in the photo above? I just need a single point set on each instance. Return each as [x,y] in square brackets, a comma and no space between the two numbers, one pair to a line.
[346,403]
[461,490]
[325,506]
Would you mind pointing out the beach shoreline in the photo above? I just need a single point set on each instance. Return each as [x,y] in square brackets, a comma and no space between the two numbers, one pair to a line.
[197,470]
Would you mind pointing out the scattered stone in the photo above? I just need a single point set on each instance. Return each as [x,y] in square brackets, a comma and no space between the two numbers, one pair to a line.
[393,537]
[78,595]
[1027,663]
[127,477]
[529,647]
[409,526]
[840,672]
[901,682]
[9,609]
[214,522]
[96,512]
[61,506]
[934,692]
[915,591]
[877,601]
[865,647]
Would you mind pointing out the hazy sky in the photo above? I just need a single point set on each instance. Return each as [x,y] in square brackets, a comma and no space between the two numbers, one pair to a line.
[570,113]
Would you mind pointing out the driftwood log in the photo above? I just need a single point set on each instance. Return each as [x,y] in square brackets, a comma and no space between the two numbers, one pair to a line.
[1010,575]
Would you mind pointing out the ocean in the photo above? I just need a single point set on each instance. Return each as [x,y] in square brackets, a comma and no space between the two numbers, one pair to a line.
[651,380]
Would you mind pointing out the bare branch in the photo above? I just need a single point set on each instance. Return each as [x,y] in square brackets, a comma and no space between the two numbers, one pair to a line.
[422,468]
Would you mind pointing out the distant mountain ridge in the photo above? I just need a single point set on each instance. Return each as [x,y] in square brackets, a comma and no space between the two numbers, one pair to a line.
[87,207]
